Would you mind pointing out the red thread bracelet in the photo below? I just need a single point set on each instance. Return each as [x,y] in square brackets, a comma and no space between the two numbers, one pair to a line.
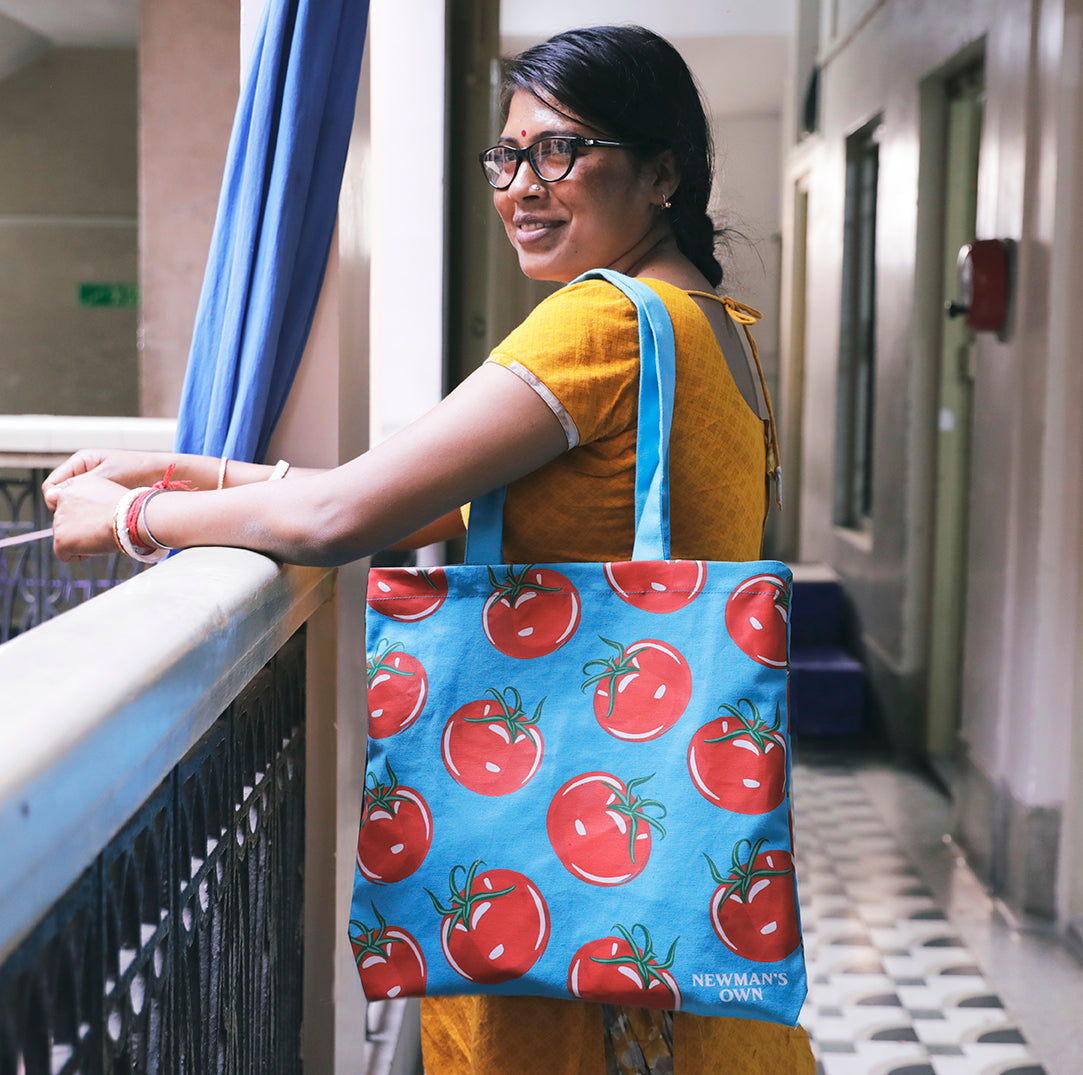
[132,518]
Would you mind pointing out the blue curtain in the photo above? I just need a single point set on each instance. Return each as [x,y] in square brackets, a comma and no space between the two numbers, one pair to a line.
[273,230]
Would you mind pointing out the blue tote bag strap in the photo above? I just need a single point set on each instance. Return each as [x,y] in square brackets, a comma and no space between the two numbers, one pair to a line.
[485,529]
[657,376]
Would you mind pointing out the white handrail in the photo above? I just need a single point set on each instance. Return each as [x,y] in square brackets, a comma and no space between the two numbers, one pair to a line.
[43,440]
[102,702]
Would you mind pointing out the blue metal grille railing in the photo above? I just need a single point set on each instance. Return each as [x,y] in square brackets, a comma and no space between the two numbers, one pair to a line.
[180,949]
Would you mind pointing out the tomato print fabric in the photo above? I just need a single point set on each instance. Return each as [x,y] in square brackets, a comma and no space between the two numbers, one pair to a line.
[577,786]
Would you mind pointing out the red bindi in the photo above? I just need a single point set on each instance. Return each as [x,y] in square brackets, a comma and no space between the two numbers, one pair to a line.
[522,134]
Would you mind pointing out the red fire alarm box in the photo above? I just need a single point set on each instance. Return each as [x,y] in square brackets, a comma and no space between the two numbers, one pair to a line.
[985,270]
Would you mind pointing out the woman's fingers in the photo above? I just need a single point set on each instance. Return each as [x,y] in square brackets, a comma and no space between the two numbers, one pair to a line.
[128,468]
[83,508]
[82,462]
[52,492]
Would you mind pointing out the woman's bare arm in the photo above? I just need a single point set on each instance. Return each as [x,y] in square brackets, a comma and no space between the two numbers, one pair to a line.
[133,468]
[491,430]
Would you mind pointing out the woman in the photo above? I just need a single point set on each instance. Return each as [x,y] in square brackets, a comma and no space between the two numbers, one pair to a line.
[604,160]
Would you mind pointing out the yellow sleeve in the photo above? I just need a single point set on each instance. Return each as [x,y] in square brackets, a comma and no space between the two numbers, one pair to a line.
[579,350]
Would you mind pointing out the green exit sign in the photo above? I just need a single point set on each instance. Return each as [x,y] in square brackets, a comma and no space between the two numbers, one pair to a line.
[125,296]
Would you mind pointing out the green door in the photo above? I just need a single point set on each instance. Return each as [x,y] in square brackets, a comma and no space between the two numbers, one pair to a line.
[966,95]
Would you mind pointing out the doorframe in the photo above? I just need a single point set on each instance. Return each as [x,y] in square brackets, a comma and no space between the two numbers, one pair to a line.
[924,382]
[794,316]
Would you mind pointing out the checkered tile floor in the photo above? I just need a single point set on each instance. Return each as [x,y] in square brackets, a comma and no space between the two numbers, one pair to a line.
[892,988]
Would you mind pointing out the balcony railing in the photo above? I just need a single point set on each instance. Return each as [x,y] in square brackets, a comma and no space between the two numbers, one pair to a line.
[34,585]
[177,949]
[177,816]
[152,815]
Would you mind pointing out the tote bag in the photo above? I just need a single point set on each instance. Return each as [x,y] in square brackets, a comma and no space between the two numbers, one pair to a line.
[577,782]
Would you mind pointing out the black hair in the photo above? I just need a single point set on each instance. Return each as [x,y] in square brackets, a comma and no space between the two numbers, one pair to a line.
[635,87]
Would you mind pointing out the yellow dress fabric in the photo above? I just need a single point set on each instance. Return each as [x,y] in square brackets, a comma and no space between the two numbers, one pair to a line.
[580,350]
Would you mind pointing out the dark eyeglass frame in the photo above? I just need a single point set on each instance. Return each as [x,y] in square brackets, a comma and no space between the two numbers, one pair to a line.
[526,154]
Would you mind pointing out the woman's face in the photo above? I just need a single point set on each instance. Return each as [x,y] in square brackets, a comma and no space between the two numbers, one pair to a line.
[603,214]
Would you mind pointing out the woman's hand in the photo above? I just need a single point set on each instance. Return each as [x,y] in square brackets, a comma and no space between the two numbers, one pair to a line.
[130,469]
[83,508]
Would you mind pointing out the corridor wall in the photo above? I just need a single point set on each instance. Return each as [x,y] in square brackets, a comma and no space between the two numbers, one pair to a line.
[68,232]
[1011,772]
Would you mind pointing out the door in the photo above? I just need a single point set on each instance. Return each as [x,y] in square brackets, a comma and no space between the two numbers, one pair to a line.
[965,101]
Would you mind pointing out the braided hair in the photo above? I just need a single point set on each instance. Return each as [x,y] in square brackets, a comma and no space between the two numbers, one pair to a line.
[634,86]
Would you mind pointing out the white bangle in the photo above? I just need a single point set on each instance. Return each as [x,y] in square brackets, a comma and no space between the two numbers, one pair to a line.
[123,535]
[279,471]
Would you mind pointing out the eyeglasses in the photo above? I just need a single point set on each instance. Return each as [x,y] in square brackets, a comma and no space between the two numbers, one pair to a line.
[550,158]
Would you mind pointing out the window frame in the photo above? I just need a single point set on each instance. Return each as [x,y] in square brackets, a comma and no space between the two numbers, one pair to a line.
[856,411]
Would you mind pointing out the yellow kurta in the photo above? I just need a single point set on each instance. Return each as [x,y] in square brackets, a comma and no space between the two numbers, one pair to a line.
[580,350]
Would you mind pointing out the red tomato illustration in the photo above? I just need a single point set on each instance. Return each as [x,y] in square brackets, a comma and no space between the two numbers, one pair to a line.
[407,594]
[739,762]
[492,746]
[397,688]
[396,831]
[757,615]
[617,970]
[642,691]
[600,828]
[497,926]
[657,585]
[389,961]
[531,613]
[754,910]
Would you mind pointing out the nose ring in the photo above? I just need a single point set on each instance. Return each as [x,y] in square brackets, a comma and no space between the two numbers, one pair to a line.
[535,186]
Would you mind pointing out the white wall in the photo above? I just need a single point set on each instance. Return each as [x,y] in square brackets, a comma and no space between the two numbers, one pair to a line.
[747,198]
[406,215]
[189,79]
[1022,622]
[676,18]
[68,122]
[1062,630]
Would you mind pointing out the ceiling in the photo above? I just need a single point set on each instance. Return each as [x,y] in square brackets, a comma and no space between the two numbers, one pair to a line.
[673,18]
[116,22]
[88,23]
[738,51]
[29,27]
